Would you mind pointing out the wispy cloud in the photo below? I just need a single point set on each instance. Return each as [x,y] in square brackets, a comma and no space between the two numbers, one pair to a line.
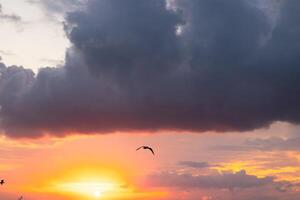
[9,17]
[6,53]
[266,144]
[194,164]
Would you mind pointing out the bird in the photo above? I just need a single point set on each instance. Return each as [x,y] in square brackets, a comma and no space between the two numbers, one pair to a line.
[2,182]
[146,147]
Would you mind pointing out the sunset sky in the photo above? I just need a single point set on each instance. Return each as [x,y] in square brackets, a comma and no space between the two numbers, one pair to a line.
[212,86]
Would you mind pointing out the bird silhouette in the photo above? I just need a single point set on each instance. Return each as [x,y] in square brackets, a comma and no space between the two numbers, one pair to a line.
[145,147]
[2,182]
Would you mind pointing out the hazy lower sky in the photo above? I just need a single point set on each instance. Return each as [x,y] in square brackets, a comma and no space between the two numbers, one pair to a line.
[213,86]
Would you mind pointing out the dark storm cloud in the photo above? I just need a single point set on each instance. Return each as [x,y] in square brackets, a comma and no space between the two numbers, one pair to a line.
[219,181]
[9,17]
[136,66]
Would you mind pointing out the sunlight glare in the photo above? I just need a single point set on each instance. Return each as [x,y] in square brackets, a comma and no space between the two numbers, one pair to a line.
[97,194]
[95,189]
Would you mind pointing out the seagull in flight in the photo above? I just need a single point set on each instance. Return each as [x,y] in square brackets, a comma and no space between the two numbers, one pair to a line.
[2,182]
[145,147]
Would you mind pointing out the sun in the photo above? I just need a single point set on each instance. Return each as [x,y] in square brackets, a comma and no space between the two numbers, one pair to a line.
[92,189]
[89,184]
[97,194]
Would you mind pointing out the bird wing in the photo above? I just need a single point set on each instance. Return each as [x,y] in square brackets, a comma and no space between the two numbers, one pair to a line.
[150,150]
[139,148]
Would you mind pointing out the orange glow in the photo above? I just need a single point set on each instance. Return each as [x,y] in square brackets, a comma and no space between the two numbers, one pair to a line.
[90,183]
[88,189]
[108,167]
[85,181]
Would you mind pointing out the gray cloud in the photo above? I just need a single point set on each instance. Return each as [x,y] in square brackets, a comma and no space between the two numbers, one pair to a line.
[194,164]
[239,185]
[58,7]
[128,70]
[275,143]
[263,144]
[6,53]
[219,181]
[9,17]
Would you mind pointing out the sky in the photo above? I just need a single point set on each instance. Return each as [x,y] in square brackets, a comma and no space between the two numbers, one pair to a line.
[212,86]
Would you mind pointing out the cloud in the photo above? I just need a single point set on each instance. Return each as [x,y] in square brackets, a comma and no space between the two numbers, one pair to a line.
[268,144]
[129,69]
[275,143]
[6,53]
[58,7]
[193,164]
[220,181]
[9,17]
[223,186]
